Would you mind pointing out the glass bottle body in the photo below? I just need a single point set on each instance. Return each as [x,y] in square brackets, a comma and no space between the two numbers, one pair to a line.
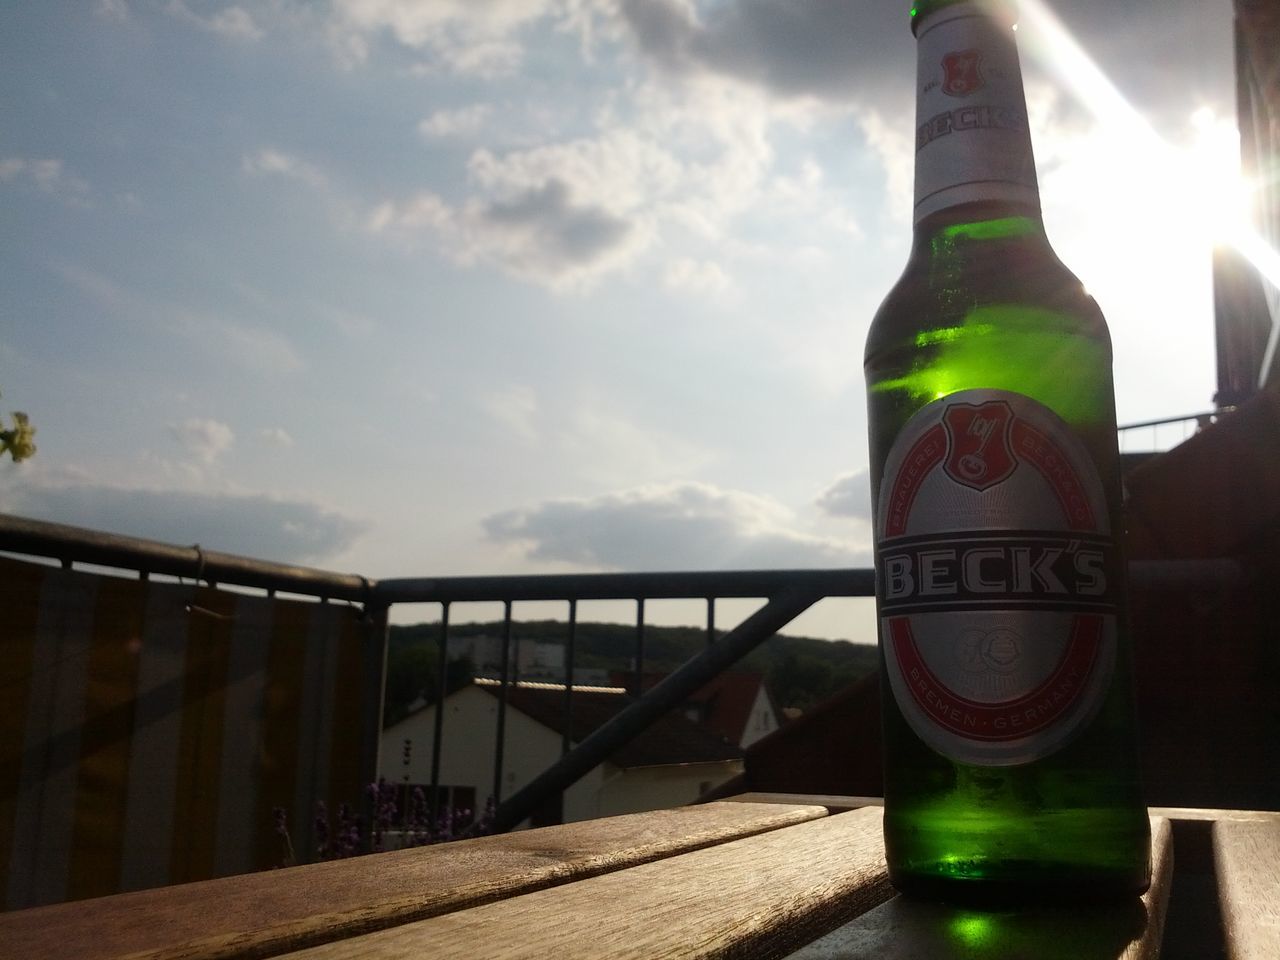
[985,305]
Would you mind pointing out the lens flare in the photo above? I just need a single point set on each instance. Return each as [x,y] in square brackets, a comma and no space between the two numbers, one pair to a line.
[1206,174]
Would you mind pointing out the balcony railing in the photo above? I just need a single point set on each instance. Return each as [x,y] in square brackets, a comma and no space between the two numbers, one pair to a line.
[786,594]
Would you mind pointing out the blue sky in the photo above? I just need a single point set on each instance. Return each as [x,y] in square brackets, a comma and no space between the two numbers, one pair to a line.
[461,287]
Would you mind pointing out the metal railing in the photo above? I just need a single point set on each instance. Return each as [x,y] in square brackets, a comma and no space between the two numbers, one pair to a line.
[1177,428]
[787,594]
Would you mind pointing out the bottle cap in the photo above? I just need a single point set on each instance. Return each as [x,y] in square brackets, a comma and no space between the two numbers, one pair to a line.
[1004,10]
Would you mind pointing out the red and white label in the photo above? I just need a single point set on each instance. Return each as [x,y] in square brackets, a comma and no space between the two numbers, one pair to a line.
[972,138]
[997,578]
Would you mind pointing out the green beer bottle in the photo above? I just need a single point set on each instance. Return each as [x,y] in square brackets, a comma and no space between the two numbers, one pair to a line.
[1010,761]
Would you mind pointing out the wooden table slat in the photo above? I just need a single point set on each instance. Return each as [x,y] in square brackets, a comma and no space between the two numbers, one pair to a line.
[747,898]
[1245,855]
[905,929]
[263,914]
[834,803]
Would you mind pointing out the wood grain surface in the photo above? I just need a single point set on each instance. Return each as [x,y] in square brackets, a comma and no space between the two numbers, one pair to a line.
[749,898]
[263,914]
[904,929]
[1245,855]
[834,803]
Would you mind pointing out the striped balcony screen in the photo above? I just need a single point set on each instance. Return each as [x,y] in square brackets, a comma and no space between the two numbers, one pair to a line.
[149,730]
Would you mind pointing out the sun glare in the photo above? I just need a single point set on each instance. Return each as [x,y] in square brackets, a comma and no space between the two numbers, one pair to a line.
[1200,181]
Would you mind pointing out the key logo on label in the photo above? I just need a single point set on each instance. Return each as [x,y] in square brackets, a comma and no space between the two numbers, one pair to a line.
[962,73]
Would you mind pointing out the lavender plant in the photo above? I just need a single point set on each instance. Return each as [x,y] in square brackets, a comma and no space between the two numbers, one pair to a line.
[389,826]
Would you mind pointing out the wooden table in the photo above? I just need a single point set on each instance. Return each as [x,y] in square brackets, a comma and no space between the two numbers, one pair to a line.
[759,876]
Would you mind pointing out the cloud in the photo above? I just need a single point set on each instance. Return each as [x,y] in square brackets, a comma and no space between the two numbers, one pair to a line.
[48,175]
[464,121]
[893,144]
[793,48]
[847,496]
[206,440]
[679,163]
[693,526]
[700,277]
[541,233]
[292,531]
[516,408]
[463,36]
[277,436]
[113,9]
[272,162]
[251,346]
[234,23]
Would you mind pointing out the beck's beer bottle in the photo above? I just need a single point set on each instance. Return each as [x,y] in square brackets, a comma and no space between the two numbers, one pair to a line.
[1010,764]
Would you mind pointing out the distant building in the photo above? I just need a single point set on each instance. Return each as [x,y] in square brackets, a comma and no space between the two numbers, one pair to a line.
[675,761]
[527,659]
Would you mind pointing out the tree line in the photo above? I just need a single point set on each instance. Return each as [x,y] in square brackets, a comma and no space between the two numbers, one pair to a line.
[799,671]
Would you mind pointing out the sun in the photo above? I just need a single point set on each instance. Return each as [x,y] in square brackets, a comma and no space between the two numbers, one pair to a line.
[1196,185]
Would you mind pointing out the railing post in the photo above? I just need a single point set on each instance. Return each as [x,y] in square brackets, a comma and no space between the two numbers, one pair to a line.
[374,678]
[566,736]
[501,735]
[639,657]
[442,691]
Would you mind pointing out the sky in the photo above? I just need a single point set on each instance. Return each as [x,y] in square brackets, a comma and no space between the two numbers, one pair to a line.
[435,287]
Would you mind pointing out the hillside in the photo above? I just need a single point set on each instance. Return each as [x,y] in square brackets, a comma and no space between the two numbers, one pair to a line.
[800,671]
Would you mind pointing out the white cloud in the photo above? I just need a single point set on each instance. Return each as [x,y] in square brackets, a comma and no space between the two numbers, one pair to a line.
[702,278]
[46,174]
[466,37]
[542,233]
[847,496]
[611,449]
[203,438]
[422,211]
[269,161]
[276,436]
[678,164]
[892,143]
[232,22]
[516,408]
[462,122]
[666,527]
[791,48]
[113,9]
[255,525]
[252,346]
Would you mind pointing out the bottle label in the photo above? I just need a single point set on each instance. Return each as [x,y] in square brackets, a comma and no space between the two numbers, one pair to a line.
[972,138]
[997,578]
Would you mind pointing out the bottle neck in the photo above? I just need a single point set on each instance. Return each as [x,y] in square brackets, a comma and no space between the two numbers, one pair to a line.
[973,145]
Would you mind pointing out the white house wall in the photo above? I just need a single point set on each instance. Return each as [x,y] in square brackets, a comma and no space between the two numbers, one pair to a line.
[470,722]
[466,759]
[761,721]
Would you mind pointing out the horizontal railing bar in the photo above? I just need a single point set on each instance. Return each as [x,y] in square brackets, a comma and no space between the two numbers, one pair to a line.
[1207,415]
[71,544]
[629,586]
[79,545]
